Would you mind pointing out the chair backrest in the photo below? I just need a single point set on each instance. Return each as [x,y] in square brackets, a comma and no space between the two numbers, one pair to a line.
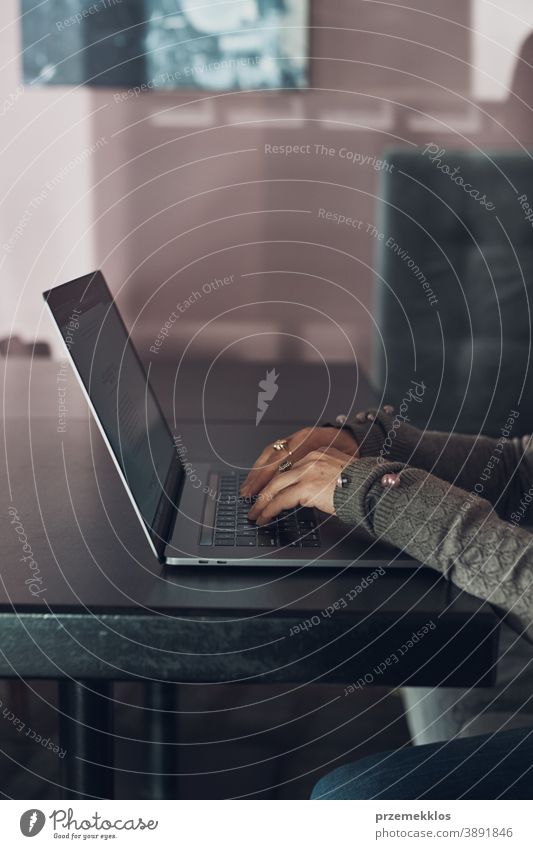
[13,346]
[454,281]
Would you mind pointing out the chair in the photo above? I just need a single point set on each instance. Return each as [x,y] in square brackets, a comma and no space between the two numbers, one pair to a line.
[470,339]
[470,343]
[13,346]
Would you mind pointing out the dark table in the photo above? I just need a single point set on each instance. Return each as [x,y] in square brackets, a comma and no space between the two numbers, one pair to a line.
[105,610]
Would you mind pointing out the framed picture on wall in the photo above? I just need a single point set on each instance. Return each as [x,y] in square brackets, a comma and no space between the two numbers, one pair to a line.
[165,45]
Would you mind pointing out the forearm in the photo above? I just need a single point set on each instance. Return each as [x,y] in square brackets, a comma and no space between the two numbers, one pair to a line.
[428,518]
[500,470]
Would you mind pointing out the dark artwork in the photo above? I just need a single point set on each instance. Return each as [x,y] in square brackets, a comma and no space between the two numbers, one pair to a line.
[166,44]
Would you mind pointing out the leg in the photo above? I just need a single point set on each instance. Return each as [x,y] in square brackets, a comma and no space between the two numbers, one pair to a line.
[86,734]
[497,766]
[162,754]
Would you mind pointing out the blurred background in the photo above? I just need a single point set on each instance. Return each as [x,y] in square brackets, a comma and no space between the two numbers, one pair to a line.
[169,187]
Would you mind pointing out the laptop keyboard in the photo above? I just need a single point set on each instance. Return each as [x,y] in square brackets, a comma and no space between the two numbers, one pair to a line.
[296,528]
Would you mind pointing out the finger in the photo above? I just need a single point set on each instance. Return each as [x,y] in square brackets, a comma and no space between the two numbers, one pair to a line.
[299,444]
[265,460]
[318,474]
[287,499]
[319,454]
[279,482]
[318,466]
[345,442]
[268,462]
[261,477]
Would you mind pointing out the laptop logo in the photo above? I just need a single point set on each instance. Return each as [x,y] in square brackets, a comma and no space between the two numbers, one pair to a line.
[268,388]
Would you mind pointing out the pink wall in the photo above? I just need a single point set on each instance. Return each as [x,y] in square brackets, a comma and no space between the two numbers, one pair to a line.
[46,206]
[182,192]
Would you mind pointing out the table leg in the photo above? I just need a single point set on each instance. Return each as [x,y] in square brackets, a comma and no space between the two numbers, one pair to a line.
[160,701]
[86,728]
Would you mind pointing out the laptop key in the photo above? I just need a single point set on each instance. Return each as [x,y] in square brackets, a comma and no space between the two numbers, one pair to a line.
[248,541]
[286,537]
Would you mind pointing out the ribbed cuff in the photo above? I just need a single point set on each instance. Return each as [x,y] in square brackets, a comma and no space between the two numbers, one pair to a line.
[385,500]
[369,435]
[400,440]
[387,436]
[355,504]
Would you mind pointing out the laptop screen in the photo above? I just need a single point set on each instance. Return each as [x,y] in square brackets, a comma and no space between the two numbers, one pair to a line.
[119,391]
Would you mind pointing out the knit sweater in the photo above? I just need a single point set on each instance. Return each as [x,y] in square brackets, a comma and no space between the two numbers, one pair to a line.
[460,507]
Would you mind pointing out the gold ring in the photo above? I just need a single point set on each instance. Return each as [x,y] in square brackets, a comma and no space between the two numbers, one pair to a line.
[281,445]
[285,466]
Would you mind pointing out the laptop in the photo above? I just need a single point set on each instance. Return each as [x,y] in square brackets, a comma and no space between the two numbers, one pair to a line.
[185,523]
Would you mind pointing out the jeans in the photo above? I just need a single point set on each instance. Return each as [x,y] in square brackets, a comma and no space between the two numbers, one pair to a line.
[494,766]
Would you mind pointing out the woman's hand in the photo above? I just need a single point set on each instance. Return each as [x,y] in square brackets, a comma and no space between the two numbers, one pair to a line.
[310,482]
[299,444]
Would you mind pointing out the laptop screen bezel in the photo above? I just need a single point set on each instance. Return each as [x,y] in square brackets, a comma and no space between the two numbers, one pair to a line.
[61,300]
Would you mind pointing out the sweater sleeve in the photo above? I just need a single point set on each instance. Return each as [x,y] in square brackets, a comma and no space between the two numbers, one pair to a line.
[438,525]
[500,470]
